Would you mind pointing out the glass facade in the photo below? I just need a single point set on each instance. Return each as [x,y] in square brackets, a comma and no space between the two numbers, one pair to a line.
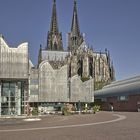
[13,98]
[14,76]
[33,85]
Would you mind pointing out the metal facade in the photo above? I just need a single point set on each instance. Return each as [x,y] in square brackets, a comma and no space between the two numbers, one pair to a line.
[13,61]
[53,85]
[14,71]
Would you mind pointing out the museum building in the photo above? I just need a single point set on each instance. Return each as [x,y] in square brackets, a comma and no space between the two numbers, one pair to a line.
[123,95]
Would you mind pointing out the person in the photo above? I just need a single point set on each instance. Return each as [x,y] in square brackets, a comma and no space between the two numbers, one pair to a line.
[112,108]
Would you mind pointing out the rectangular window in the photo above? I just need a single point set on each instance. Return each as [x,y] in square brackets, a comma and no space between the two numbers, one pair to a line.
[122,98]
[104,99]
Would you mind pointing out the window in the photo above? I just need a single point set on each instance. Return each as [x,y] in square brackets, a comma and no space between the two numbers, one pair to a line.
[122,98]
[104,99]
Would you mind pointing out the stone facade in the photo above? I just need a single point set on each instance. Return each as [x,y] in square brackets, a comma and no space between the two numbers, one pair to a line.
[54,40]
[102,67]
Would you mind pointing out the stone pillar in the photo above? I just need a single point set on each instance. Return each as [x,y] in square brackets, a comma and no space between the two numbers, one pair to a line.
[85,67]
[74,66]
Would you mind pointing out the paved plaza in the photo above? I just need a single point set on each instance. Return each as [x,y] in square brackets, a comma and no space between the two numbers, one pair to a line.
[100,126]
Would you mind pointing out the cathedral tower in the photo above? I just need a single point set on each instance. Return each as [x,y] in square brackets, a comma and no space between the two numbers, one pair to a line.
[54,40]
[75,38]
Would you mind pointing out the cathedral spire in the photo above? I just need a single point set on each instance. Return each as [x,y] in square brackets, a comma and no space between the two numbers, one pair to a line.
[75,38]
[75,25]
[54,40]
[112,72]
[40,55]
[54,23]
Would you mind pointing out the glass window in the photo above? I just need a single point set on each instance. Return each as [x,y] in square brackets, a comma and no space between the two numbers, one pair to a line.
[104,99]
[12,93]
[12,85]
[123,98]
[5,85]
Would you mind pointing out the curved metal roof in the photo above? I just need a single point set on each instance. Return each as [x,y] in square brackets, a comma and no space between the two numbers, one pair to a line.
[122,82]
[125,87]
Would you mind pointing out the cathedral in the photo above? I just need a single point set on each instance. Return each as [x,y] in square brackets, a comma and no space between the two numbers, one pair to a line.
[60,77]
[80,59]
[72,75]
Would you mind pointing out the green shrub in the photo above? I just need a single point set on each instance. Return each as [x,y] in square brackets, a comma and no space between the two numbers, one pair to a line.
[96,108]
[65,111]
[35,111]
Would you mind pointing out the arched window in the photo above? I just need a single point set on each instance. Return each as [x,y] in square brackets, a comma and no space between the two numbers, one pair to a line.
[55,46]
[91,67]
[80,68]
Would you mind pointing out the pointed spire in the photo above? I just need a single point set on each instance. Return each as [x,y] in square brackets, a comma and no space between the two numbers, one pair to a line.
[40,55]
[112,72]
[75,39]
[108,58]
[75,25]
[54,40]
[54,23]
[106,51]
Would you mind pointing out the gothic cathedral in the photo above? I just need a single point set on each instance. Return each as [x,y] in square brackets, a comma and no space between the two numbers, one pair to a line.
[80,59]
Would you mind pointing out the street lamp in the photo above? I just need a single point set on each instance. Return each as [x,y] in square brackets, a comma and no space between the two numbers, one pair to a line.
[79,106]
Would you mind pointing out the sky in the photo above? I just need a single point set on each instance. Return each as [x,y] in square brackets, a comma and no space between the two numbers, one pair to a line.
[111,24]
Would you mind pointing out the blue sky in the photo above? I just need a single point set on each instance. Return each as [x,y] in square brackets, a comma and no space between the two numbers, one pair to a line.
[111,24]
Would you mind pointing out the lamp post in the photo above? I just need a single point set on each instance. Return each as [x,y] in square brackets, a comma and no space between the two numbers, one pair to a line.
[69,96]
[79,107]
